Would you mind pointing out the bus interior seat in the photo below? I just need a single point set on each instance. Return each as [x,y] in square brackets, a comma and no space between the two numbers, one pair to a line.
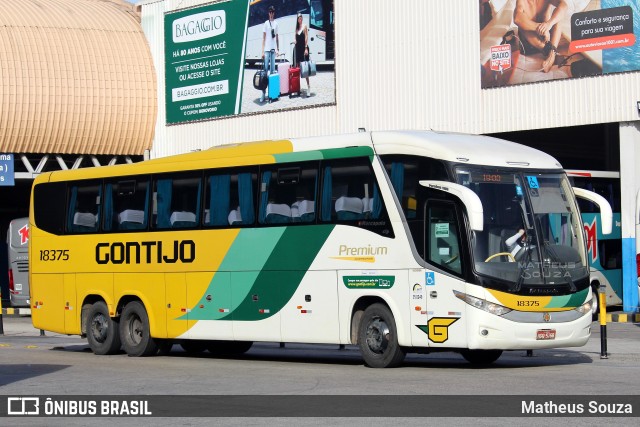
[181,219]
[131,219]
[85,219]
[303,211]
[235,217]
[277,213]
[84,222]
[349,208]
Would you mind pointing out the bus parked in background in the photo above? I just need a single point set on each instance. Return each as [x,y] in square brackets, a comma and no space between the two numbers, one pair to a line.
[317,16]
[395,241]
[605,251]
[18,250]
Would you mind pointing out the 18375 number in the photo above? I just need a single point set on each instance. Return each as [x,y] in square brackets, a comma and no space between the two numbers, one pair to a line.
[54,255]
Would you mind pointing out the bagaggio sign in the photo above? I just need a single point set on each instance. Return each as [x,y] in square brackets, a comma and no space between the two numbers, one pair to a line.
[204,61]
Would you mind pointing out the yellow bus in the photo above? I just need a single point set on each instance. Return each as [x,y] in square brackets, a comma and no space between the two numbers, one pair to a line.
[394,241]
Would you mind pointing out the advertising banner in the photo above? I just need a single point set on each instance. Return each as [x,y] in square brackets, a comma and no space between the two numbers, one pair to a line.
[7,174]
[525,42]
[239,56]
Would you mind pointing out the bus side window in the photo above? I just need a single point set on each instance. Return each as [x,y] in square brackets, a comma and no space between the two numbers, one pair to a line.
[349,191]
[84,207]
[177,201]
[443,247]
[126,204]
[229,198]
[288,193]
[350,195]
[405,173]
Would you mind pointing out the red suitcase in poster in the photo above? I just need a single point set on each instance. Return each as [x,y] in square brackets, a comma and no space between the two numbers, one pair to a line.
[294,77]
[294,82]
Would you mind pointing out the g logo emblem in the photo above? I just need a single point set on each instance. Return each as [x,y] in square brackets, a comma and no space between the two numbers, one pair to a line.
[437,328]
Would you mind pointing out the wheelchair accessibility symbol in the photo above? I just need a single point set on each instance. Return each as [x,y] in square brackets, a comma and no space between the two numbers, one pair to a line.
[533,181]
[430,278]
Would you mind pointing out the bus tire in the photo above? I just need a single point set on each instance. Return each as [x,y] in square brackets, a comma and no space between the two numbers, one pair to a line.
[595,301]
[378,338]
[481,357]
[134,331]
[221,348]
[102,331]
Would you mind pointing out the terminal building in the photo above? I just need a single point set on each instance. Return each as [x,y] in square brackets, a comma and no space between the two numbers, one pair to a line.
[570,88]
[77,89]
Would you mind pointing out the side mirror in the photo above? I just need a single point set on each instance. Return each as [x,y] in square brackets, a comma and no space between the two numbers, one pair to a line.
[470,200]
[606,215]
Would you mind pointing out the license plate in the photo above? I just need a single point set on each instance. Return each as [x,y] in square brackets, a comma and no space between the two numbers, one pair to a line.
[546,334]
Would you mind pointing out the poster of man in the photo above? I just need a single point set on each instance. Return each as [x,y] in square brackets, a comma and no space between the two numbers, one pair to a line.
[526,41]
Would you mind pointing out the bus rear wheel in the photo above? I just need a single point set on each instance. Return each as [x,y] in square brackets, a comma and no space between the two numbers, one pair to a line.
[102,330]
[481,357]
[378,338]
[134,331]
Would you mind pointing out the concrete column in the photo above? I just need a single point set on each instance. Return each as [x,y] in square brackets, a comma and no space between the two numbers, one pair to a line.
[630,183]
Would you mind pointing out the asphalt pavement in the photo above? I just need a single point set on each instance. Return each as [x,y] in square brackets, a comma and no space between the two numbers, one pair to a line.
[623,338]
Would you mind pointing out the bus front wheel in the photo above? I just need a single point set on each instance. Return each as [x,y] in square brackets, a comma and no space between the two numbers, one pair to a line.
[378,338]
[134,331]
[102,330]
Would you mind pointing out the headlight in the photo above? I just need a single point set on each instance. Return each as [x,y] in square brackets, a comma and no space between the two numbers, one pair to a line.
[485,305]
[584,308]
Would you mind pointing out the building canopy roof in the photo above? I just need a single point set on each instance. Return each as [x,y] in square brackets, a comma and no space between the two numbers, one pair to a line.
[76,77]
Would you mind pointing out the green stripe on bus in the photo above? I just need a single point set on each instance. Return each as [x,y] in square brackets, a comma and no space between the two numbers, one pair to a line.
[284,270]
[298,157]
[333,153]
[339,153]
[578,298]
[246,258]
[575,300]
[259,260]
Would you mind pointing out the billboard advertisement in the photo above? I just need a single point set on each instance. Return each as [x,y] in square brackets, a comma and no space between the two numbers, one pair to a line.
[7,175]
[239,56]
[524,42]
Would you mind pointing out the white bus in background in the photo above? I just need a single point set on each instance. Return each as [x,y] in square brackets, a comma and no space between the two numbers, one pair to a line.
[18,250]
[317,16]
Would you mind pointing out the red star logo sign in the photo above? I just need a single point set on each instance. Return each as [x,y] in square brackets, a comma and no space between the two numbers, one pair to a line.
[24,234]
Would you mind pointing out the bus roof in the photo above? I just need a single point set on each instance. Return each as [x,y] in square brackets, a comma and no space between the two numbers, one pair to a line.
[463,148]
[454,147]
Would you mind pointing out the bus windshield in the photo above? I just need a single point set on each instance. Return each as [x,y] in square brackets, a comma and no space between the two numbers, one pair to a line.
[532,231]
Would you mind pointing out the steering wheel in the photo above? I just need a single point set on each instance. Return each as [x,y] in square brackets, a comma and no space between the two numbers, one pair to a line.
[507,254]
[450,260]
